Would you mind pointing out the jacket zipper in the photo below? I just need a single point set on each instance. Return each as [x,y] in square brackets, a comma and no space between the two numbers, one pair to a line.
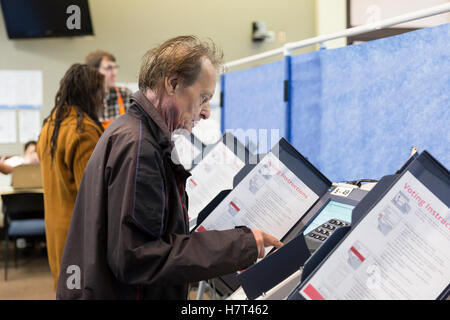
[138,292]
[181,197]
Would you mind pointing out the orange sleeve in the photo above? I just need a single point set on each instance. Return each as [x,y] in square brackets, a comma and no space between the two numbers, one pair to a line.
[80,150]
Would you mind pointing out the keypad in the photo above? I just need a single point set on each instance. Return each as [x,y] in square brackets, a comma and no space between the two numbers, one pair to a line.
[325,230]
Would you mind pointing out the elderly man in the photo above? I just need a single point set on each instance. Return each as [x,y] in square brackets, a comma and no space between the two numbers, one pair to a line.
[129,235]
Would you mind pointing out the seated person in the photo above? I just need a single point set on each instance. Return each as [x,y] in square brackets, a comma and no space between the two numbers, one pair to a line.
[30,156]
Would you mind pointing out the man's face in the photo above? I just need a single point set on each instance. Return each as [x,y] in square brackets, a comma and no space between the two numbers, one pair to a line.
[109,69]
[192,101]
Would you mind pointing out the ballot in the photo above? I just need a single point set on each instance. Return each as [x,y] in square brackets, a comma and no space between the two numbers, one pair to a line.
[399,250]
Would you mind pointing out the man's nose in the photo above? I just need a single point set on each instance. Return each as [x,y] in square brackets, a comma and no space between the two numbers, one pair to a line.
[206,111]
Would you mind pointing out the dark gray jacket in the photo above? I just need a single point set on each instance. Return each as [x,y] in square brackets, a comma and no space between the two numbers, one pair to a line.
[129,235]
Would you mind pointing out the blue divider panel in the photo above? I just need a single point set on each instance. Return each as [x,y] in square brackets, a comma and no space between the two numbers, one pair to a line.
[357,110]
[253,99]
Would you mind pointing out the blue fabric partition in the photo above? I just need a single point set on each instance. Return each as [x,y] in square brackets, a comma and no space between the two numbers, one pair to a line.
[357,110]
[253,99]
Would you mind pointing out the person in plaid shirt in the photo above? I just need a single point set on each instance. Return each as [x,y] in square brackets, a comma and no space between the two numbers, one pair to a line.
[117,99]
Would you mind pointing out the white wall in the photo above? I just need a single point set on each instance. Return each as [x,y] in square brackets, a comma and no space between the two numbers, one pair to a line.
[331,17]
[129,28]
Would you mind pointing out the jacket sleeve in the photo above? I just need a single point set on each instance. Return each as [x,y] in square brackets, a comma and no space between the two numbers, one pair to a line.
[138,251]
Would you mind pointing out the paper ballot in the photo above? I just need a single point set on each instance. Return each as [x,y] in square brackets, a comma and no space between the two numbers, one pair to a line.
[212,175]
[270,198]
[400,250]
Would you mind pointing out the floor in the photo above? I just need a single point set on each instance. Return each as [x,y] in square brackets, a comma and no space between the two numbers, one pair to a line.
[31,280]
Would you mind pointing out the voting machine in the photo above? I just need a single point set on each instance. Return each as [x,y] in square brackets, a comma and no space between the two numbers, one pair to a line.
[318,232]
[314,235]
[277,191]
[397,248]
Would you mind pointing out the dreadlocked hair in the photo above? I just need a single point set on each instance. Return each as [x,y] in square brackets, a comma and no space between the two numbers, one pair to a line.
[81,88]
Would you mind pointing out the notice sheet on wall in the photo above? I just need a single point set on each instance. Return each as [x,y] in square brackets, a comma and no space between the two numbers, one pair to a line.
[29,125]
[20,90]
[8,126]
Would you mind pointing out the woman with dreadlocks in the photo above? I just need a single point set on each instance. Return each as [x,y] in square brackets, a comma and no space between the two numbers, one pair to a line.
[68,137]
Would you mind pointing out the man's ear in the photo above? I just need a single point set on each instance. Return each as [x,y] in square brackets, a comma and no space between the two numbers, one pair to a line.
[171,84]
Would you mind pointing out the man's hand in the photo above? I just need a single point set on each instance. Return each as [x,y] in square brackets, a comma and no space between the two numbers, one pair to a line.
[264,240]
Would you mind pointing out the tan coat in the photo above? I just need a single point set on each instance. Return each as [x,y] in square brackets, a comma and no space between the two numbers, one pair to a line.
[62,178]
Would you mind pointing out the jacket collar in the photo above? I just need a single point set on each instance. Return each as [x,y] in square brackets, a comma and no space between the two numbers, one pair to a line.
[141,101]
[150,109]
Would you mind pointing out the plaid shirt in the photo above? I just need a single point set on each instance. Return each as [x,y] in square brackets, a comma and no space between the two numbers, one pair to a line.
[111,111]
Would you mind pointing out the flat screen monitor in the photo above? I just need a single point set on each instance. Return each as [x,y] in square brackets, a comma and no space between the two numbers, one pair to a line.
[46,18]
[332,210]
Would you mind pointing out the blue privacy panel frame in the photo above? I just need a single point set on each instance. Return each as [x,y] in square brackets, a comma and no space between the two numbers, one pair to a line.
[254,99]
[356,111]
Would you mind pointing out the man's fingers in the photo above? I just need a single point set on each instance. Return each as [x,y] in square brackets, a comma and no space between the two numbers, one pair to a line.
[261,253]
[270,241]
[265,240]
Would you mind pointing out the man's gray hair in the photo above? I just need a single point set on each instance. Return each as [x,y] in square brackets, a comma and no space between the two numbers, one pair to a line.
[180,56]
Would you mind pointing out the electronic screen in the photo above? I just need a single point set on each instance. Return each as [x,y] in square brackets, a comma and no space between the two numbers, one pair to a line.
[46,18]
[333,210]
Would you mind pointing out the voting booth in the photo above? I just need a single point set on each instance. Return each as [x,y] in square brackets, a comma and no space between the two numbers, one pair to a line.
[353,113]
[330,231]
[398,248]
[270,195]
[395,248]
[313,236]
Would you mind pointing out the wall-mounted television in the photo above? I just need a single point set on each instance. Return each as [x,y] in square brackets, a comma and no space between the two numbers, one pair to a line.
[46,18]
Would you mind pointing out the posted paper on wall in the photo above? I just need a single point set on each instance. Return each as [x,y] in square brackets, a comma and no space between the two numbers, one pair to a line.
[271,198]
[400,250]
[29,125]
[19,88]
[8,126]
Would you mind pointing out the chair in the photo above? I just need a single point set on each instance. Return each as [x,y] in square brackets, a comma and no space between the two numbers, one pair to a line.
[23,218]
